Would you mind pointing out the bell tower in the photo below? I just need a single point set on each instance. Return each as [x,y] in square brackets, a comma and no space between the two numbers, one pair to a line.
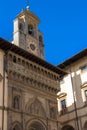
[27,34]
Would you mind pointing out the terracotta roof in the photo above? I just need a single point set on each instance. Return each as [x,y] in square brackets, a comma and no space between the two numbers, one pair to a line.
[73,59]
[7,46]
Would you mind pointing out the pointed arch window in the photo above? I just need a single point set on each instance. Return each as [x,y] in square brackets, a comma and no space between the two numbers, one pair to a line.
[21,26]
[16,102]
[31,30]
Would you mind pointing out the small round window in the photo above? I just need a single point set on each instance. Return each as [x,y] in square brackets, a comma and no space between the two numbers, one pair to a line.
[32,46]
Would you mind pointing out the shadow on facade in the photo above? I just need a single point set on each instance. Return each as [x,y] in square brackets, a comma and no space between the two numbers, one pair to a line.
[71,114]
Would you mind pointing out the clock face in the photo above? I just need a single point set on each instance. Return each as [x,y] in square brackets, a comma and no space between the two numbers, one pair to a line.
[32,46]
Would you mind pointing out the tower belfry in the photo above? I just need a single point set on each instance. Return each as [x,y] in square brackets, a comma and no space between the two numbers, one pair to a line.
[27,34]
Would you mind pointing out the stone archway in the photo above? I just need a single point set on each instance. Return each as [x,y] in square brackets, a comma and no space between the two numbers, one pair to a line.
[36,125]
[68,127]
[85,126]
[16,127]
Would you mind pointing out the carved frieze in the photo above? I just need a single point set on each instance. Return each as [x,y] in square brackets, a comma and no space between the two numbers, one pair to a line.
[20,73]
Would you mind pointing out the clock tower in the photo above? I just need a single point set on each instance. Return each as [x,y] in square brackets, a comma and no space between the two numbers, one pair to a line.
[26,33]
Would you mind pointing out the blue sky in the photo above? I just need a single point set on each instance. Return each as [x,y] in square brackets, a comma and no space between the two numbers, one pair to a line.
[63,23]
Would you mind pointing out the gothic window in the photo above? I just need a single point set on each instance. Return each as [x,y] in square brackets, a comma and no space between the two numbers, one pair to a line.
[16,102]
[30,30]
[21,26]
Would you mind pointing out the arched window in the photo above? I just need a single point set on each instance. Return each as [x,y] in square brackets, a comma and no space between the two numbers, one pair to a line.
[14,59]
[21,26]
[31,30]
[10,57]
[16,102]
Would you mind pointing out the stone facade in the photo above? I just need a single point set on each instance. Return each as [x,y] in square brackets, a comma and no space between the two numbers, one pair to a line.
[28,96]
[28,84]
[72,99]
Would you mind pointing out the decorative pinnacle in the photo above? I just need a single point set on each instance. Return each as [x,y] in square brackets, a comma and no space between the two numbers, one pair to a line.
[27,5]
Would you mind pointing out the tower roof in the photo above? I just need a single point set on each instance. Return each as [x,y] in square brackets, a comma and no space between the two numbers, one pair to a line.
[28,13]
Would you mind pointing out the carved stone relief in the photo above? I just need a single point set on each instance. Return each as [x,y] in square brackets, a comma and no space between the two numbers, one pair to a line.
[34,106]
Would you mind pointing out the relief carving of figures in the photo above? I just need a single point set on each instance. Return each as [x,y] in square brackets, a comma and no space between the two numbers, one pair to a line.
[34,106]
